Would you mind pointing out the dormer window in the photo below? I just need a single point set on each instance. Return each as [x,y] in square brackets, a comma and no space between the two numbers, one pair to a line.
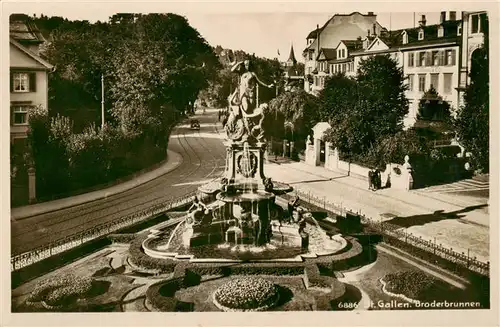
[405,37]
[420,34]
[440,31]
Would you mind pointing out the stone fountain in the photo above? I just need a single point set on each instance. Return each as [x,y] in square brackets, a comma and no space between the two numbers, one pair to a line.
[241,205]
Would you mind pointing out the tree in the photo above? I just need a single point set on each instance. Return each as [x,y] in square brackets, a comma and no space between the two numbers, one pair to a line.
[162,67]
[291,115]
[381,85]
[432,107]
[337,98]
[366,110]
[472,121]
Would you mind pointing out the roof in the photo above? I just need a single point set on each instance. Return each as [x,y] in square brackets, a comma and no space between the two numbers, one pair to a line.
[31,54]
[314,33]
[394,39]
[291,57]
[23,29]
[330,53]
[353,44]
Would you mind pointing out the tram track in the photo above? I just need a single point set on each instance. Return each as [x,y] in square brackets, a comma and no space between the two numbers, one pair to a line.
[200,160]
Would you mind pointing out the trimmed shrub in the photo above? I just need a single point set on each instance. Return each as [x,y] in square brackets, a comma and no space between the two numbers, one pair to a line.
[139,258]
[161,295]
[122,238]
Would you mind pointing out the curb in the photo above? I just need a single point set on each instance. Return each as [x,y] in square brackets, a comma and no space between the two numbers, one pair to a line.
[174,160]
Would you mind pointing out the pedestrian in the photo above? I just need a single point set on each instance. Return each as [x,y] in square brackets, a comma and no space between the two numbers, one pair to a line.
[370,179]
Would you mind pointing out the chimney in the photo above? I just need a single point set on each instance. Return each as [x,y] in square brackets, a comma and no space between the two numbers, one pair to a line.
[422,21]
[442,17]
[453,15]
[374,29]
[317,37]
[370,13]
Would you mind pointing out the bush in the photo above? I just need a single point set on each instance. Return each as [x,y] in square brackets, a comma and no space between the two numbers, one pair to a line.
[122,238]
[162,295]
[139,258]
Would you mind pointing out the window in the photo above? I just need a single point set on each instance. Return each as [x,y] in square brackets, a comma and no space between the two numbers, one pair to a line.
[478,23]
[310,55]
[316,80]
[435,81]
[459,29]
[475,24]
[20,82]
[435,58]
[411,59]
[20,115]
[450,57]
[405,38]
[421,83]
[421,59]
[447,83]
[440,31]
[420,35]
[410,82]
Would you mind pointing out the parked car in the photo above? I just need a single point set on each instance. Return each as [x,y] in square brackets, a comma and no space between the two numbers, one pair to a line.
[195,124]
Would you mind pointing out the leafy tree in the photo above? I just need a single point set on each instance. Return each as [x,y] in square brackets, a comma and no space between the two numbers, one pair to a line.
[472,121]
[292,115]
[337,98]
[432,107]
[364,111]
[164,66]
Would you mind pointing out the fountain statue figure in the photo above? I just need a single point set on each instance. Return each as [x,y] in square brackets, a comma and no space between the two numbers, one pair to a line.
[246,116]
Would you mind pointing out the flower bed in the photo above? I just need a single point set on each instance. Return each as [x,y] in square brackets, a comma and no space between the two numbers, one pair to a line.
[60,291]
[246,294]
[412,284]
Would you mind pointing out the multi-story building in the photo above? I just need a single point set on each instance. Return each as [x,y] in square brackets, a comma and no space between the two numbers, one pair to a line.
[473,27]
[338,28]
[428,55]
[28,74]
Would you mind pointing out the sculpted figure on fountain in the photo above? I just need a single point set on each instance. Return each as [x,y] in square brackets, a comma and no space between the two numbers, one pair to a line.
[246,116]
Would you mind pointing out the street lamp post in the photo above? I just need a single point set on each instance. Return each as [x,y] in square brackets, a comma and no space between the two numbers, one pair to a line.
[102,101]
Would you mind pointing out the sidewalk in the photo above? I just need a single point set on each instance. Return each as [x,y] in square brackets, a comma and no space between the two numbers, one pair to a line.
[174,160]
[455,222]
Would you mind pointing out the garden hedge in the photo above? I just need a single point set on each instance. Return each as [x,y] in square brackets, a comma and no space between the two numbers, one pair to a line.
[140,259]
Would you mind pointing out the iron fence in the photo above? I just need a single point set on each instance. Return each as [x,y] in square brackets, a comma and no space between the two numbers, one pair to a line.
[80,238]
[431,247]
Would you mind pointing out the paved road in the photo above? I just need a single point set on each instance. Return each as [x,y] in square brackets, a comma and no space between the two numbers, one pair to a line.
[203,158]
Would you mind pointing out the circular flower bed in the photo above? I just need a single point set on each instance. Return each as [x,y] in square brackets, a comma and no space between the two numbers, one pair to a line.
[412,284]
[246,294]
[60,291]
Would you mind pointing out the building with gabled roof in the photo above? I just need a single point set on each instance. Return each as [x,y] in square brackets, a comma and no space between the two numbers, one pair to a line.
[28,73]
[339,27]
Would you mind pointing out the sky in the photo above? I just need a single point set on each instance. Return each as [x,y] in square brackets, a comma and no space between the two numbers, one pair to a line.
[260,31]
